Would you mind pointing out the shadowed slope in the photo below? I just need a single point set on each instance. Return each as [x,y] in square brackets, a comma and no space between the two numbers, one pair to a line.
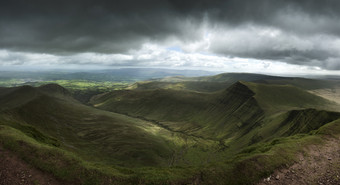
[157,104]
[54,89]
[16,96]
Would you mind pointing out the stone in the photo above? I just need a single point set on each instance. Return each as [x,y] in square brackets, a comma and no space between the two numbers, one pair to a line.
[277,177]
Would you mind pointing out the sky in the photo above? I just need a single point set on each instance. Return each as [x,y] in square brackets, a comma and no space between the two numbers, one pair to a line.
[259,36]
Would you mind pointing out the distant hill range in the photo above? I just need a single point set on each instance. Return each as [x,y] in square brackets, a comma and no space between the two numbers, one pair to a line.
[120,74]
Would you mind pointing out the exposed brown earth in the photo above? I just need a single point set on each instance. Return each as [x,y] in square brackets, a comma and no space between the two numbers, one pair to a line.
[15,171]
[320,165]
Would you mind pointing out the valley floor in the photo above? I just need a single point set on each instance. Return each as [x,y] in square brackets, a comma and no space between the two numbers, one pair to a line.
[319,165]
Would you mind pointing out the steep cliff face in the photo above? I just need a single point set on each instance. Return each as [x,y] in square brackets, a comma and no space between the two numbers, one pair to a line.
[304,121]
[235,109]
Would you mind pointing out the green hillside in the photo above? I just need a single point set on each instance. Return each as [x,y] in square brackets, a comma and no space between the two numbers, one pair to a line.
[276,98]
[241,105]
[163,135]
[119,139]
[159,104]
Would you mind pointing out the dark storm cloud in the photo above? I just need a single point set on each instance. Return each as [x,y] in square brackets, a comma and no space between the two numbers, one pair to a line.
[58,26]
[117,26]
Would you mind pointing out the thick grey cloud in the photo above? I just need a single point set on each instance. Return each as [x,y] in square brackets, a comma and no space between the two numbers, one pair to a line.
[304,32]
[275,44]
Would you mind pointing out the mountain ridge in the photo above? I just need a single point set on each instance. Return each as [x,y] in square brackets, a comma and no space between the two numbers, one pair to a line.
[141,134]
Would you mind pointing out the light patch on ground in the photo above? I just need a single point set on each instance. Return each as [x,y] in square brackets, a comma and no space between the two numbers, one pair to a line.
[330,94]
[154,130]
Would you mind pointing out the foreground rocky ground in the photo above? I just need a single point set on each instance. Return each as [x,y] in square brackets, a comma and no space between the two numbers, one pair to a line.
[319,165]
[15,171]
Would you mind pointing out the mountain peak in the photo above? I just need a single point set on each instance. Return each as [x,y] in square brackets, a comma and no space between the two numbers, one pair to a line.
[54,89]
[240,89]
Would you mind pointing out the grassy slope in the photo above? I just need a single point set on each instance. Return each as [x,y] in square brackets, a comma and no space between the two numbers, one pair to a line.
[242,105]
[157,104]
[260,160]
[243,114]
[288,110]
[276,98]
[185,111]
[85,130]
[119,139]
[252,164]
[269,111]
